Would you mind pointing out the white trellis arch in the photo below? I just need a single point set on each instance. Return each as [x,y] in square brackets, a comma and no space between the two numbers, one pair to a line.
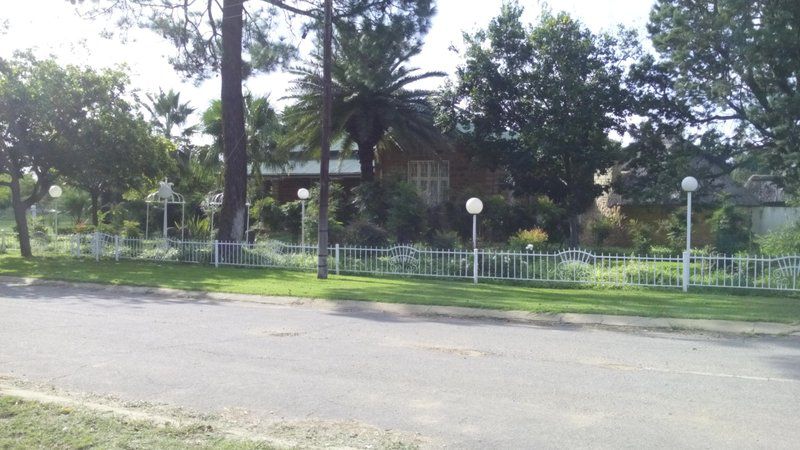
[165,196]
[213,203]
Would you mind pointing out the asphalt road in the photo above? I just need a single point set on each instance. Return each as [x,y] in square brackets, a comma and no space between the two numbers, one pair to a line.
[458,383]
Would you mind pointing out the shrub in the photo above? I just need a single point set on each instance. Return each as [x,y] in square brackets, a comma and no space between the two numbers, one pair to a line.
[785,241]
[365,233]
[641,236]
[198,228]
[444,240]
[601,229]
[406,220]
[731,230]
[533,239]
[83,227]
[674,229]
[130,229]
[269,213]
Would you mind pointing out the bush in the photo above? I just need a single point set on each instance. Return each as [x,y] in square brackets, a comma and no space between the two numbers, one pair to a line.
[533,239]
[83,228]
[641,236]
[785,241]
[130,229]
[198,228]
[444,240]
[406,220]
[269,213]
[365,233]
[731,230]
[674,229]
[601,229]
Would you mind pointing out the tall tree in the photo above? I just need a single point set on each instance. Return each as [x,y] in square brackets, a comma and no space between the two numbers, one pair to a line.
[115,151]
[42,109]
[169,116]
[372,103]
[540,102]
[210,38]
[730,70]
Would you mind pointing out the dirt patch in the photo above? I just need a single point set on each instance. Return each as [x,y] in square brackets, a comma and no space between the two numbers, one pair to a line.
[235,422]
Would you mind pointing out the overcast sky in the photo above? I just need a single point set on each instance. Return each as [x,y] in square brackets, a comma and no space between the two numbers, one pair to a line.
[51,27]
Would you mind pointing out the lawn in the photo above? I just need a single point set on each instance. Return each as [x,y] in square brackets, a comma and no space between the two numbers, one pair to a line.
[277,282]
[26,424]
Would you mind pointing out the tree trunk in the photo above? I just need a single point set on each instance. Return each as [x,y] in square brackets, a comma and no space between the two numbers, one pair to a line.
[232,218]
[574,231]
[366,157]
[21,218]
[95,207]
[322,235]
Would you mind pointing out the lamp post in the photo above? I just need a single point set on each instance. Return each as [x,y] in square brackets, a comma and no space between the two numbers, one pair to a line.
[302,194]
[689,184]
[474,207]
[55,192]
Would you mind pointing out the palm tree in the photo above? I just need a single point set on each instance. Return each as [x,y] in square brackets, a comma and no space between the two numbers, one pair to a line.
[373,105]
[262,126]
[169,117]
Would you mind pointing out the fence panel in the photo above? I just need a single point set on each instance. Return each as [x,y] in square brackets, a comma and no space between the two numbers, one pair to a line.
[750,272]
[405,260]
[567,266]
[580,266]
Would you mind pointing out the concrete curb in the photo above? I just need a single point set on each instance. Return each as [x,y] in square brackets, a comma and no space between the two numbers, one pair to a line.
[405,310]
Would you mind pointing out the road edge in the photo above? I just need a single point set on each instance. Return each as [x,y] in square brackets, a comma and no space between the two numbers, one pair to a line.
[456,312]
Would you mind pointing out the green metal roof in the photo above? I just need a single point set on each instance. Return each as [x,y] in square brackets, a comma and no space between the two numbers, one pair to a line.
[346,167]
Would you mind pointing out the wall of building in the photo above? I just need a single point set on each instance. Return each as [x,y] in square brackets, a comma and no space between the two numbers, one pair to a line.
[765,219]
[466,178]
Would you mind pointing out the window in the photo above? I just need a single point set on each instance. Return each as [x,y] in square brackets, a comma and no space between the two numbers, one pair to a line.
[431,178]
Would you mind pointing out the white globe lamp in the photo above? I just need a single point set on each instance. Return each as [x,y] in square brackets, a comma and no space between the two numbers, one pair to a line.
[474,206]
[690,184]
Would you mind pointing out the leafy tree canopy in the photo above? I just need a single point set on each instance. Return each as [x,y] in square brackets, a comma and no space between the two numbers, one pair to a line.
[540,102]
[721,94]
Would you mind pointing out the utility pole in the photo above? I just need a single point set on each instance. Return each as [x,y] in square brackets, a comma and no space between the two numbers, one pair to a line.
[325,156]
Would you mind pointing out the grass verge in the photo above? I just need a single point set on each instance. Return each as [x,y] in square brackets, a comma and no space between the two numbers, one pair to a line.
[502,296]
[26,424]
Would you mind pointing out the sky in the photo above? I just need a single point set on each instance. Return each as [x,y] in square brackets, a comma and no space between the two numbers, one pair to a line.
[52,28]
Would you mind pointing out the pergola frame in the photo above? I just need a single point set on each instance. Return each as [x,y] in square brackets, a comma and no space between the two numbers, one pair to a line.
[171,198]
[212,204]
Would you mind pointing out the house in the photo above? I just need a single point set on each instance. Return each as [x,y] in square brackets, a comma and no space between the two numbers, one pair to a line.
[439,176]
[760,198]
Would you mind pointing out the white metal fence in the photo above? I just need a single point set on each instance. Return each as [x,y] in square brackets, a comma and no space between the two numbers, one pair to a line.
[567,266]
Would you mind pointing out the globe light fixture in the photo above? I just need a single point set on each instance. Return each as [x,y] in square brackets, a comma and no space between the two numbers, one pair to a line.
[474,207]
[55,191]
[303,194]
[689,185]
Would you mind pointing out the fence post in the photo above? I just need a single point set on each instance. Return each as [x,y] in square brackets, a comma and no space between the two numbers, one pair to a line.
[3,241]
[78,240]
[475,265]
[97,246]
[337,259]
[216,254]
[686,259]
[116,247]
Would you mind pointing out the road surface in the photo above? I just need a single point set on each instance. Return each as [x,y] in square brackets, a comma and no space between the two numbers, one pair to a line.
[456,383]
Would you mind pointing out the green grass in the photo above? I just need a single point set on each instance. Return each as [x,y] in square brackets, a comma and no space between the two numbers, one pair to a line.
[747,306]
[26,424]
